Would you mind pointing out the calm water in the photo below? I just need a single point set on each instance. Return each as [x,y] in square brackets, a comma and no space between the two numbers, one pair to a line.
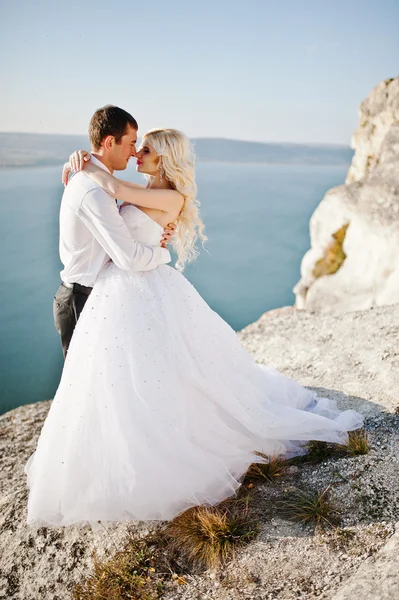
[257,219]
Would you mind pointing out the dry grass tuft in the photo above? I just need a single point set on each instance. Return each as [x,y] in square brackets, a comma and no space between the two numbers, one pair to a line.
[319,451]
[310,507]
[357,443]
[200,537]
[334,255]
[208,536]
[137,571]
[269,471]
[316,451]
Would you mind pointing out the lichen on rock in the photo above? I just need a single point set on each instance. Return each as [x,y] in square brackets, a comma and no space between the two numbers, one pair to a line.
[334,256]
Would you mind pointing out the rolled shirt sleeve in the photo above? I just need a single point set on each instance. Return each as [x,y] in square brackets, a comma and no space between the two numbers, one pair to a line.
[101,217]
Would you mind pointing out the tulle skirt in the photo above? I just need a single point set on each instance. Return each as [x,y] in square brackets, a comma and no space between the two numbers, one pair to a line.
[160,409]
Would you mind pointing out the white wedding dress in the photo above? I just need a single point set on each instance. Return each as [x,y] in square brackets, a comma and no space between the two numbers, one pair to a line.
[159,408]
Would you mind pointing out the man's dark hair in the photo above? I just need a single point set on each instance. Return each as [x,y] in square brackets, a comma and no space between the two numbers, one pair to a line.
[109,120]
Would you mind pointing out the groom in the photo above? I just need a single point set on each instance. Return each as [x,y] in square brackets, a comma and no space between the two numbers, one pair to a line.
[91,229]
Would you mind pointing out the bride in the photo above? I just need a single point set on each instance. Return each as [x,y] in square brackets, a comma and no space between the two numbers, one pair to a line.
[159,408]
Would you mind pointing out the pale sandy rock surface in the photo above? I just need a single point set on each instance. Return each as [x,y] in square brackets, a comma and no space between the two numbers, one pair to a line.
[377,578]
[352,358]
[369,204]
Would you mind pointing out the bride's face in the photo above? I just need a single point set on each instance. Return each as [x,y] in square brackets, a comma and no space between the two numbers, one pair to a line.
[147,160]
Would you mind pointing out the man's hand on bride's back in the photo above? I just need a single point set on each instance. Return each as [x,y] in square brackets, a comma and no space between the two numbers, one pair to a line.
[168,233]
[76,163]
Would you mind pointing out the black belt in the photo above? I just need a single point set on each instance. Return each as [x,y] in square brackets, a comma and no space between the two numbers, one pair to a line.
[83,289]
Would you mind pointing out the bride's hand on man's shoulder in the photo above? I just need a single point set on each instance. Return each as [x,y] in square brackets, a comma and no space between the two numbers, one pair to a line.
[76,163]
[78,159]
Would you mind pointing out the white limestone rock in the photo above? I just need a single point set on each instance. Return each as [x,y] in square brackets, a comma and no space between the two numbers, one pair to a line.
[369,204]
[377,114]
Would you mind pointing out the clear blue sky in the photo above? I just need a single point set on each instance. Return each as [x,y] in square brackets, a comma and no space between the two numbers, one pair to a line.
[266,70]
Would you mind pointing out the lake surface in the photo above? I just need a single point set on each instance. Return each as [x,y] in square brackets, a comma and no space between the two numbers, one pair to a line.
[257,221]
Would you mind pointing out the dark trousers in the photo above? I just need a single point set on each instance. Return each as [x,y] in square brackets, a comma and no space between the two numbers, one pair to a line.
[67,306]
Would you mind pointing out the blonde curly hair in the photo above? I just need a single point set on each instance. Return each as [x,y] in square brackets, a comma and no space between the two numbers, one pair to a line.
[177,158]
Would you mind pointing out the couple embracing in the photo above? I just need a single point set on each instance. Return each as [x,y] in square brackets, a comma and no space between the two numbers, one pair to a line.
[159,408]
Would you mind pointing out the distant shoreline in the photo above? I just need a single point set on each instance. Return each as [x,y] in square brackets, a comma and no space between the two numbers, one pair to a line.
[200,139]
[201,161]
[19,150]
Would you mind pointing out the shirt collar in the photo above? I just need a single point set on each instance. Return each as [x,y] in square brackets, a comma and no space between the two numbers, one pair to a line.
[97,162]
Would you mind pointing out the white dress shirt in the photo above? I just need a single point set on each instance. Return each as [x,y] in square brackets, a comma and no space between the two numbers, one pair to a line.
[92,231]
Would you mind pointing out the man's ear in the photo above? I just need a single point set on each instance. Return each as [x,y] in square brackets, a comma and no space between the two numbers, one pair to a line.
[108,142]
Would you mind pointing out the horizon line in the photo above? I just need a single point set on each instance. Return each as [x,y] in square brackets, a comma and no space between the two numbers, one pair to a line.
[274,143]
